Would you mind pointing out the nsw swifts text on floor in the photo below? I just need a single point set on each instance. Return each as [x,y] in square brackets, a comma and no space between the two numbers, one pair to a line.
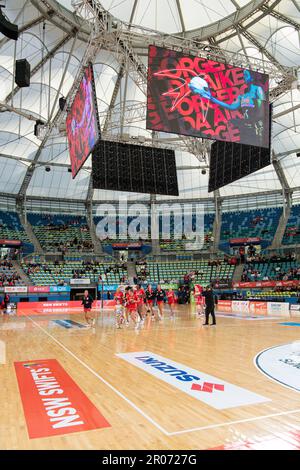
[53,403]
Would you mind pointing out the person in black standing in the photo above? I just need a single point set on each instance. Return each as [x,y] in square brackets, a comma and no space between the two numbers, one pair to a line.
[160,298]
[150,297]
[6,302]
[87,303]
[209,296]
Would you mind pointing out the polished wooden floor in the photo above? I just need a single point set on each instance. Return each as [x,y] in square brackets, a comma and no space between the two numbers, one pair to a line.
[145,412]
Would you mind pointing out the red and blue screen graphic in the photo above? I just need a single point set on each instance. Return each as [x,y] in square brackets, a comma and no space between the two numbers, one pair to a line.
[82,122]
[199,97]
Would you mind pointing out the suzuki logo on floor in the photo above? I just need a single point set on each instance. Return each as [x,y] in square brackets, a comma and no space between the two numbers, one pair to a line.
[211,390]
[208,387]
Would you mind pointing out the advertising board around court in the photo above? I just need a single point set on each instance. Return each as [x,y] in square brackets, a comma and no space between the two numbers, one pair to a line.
[278,308]
[35,289]
[225,306]
[240,306]
[48,307]
[39,289]
[58,307]
[258,308]
[108,287]
[254,307]
[15,289]
[60,288]
[294,308]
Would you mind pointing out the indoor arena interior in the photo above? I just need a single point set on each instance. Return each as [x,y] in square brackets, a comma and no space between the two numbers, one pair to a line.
[149,225]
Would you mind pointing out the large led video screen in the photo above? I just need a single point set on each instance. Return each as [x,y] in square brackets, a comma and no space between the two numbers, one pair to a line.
[230,161]
[135,168]
[82,123]
[199,97]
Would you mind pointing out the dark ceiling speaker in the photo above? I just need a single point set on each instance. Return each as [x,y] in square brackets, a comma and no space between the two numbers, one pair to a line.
[203,172]
[298,154]
[22,77]
[47,168]
[62,103]
[37,126]
[9,30]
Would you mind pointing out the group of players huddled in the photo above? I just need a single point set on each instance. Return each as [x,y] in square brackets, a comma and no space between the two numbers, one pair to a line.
[135,303]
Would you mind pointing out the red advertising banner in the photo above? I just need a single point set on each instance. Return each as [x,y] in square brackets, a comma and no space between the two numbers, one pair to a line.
[224,305]
[245,241]
[259,308]
[40,308]
[53,403]
[40,289]
[258,284]
[10,242]
[121,245]
[57,307]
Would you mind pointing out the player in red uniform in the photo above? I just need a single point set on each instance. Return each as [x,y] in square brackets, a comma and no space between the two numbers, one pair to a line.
[126,309]
[171,298]
[119,307]
[198,289]
[140,294]
[132,306]
[119,295]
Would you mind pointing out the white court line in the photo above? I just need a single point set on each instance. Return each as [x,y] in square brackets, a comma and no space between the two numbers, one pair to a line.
[246,420]
[152,421]
[102,379]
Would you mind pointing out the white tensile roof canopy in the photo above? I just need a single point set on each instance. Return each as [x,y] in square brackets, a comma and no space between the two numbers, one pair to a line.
[53,38]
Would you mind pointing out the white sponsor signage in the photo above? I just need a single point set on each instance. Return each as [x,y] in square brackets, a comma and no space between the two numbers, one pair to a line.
[80,281]
[240,306]
[15,289]
[278,308]
[282,364]
[295,308]
[211,390]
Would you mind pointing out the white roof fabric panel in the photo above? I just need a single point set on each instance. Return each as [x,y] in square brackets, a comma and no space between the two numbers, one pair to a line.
[58,183]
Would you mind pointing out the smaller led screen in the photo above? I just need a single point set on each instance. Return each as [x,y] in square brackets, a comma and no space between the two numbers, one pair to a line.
[82,123]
